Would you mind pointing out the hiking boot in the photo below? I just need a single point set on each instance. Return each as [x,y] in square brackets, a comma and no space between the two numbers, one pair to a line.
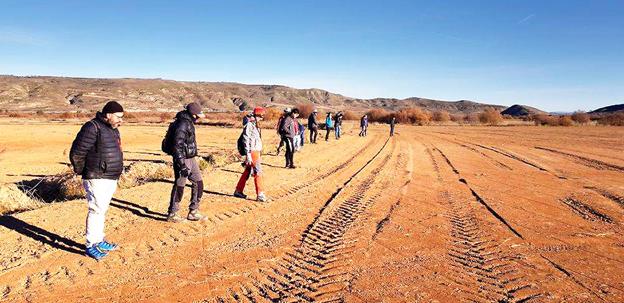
[262,198]
[95,253]
[106,246]
[194,215]
[292,167]
[240,195]
[174,218]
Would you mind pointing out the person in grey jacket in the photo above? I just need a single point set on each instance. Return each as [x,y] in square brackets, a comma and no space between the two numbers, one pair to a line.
[289,130]
[252,137]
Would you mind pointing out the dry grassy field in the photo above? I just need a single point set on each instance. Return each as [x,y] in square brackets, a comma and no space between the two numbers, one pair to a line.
[446,214]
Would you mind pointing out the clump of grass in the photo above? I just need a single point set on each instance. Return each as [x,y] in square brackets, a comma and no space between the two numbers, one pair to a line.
[142,172]
[218,159]
[12,199]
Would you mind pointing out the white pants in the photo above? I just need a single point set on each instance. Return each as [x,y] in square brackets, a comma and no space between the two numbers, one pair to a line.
[99,194]
[297,142]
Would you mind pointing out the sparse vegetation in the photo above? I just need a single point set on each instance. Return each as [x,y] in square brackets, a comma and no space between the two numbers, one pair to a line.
[441,116]
[12,199]
[491,117]
[581,117]
[614,119]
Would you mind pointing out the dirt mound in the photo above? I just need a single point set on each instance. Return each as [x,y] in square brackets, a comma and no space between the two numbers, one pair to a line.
[518,110]
[59,94]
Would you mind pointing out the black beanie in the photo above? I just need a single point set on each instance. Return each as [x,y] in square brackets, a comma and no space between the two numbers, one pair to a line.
[112,107]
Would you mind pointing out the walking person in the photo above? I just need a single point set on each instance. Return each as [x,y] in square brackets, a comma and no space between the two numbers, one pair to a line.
[252,141]
[363,125]
[301,135]
[278,128]
[289,130]
[329,125]
[313,126]
[96,154]
[338,125]
[392,123]
[183,147]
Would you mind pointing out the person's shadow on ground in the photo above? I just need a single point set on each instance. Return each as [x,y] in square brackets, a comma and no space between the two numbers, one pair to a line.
[41,235]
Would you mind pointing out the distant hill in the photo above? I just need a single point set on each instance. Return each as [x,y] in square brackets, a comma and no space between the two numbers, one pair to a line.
[518,110]
[59,94]
[608,109]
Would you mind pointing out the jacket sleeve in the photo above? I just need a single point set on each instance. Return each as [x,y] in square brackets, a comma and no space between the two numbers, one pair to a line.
[85,140]
[247,137]
[179,143]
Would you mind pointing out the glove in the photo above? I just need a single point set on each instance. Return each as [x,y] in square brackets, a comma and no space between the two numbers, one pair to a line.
[185,172]
[248,160]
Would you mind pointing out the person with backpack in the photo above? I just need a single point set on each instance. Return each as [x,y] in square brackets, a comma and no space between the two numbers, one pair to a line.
[363,125]
[181,144]
[329,125]
[278,127]
[338,125]
[289,130]
[250,146]
[313,126]
[96,154]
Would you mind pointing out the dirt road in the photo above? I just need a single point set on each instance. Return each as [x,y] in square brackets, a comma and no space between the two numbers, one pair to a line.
[447,214]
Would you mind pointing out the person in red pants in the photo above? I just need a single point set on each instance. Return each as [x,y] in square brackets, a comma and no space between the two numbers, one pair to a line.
[252,138]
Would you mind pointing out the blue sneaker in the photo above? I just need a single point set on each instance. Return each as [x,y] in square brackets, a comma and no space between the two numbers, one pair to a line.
[106,246]
[95,253]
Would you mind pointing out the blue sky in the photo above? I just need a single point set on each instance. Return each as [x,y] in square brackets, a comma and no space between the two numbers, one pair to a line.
[554,55]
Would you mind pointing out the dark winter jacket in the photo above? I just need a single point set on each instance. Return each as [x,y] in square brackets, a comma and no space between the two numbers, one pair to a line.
[288,129]
[184,143]
[312,124]
[96,152]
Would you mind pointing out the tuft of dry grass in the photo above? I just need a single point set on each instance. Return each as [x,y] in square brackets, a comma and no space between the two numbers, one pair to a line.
[12,199]
[142,172]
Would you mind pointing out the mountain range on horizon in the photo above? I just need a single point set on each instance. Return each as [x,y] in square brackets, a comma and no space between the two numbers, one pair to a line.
[60,94]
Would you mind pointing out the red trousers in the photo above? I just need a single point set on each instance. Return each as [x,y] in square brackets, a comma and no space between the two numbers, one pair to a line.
[256,169]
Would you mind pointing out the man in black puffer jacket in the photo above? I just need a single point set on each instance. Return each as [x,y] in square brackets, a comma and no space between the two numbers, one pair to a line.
[96,155]
[184,164]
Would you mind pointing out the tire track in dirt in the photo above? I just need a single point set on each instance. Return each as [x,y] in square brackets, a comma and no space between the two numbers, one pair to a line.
[619,200]
[315,269]
[482,264]
[589,162]
[585,211]
[473,149]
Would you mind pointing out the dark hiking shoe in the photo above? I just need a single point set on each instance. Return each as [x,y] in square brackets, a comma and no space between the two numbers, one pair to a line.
[194,215]
[174,218]
[95,253]
[240,195]
[292,167]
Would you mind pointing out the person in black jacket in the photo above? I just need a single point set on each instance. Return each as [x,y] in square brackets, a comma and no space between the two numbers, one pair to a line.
[96,155]
[184,164]
[313,126]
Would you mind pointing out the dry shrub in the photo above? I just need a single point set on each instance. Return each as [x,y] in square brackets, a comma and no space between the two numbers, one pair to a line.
[19,115]
[305,109]
[62,186]
[12,199]
[378,115]
[580,117]
[615,119]
[220,158]
[166,117]
[67,116]
[441,116]
[272,114]
[566,121]
[471,118]
[413,116]
[349,115]
[491,117]
[141,172]
[457,118]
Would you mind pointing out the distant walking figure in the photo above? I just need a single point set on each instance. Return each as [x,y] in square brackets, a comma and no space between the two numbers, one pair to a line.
[96,154]
[278,127]
[290,130]
[392,122]
[338,125]
[313,126]
[363,125]
[252,146]
[181,144]
[328,125]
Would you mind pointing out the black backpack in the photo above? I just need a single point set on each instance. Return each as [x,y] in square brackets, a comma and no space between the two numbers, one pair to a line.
[240,144]
[167,142]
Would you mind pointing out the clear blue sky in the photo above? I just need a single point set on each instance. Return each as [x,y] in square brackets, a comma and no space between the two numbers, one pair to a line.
[555,55]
